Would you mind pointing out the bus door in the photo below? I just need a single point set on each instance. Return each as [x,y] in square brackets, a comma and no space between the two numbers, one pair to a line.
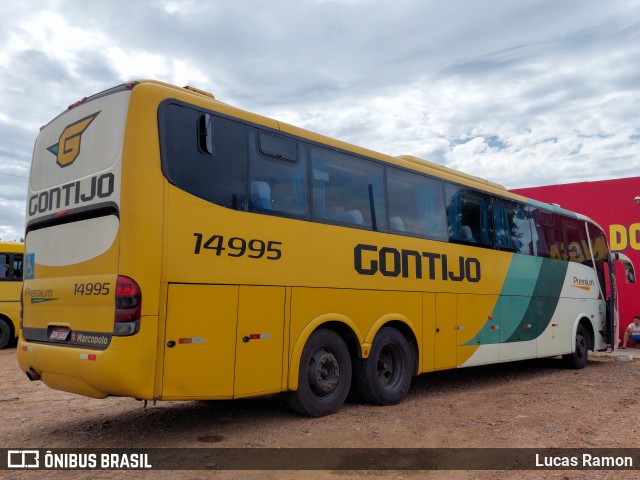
[223,341]
[611,323]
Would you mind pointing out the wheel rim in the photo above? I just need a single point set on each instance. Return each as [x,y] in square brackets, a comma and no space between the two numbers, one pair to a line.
[389,367]
[323,372]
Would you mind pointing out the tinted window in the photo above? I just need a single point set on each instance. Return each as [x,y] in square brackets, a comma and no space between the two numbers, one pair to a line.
[468,215]
[598,243]
[577,246]
[204,155]
[5,271]
[600,253]
[549,234]
[10,266]
[512,226]
[17,266]
[277,146]
[345,188]
[416,204]
[278,175]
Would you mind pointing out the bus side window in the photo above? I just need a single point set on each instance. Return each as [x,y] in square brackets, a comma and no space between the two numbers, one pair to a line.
[204,154]
[416,204]
[17,266]
[577,243]
[511,226]
[468,215]
[550,235]
[278,183]
[346,188]
[5,271]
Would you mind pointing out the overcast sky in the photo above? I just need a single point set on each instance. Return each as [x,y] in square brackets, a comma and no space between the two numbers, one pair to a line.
[523,93]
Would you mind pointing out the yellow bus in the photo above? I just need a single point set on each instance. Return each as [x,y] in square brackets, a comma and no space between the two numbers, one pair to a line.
[10,283]
[178,248]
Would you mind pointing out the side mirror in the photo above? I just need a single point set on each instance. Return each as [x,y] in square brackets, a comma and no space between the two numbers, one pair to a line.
[629,271]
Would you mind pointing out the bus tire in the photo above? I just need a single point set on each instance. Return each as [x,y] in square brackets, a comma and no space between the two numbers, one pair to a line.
[580,357]
[385,376]
[324,375]
[5,333]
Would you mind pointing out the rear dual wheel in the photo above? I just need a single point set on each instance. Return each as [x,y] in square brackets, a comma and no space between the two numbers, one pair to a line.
[385,376]
[324,375]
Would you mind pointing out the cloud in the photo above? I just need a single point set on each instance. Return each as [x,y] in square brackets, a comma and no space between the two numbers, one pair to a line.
[522,93]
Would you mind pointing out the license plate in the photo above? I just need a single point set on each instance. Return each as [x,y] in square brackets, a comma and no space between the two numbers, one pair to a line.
[59,334]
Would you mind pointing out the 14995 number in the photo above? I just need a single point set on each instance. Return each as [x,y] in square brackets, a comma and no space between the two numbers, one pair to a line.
[97,288]
[238,247]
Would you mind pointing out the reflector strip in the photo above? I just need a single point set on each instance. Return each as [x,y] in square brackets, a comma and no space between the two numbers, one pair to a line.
[495,327]
[554,324]
[527,325]
[88,356]
[259,336]
[182,341]
[26,348]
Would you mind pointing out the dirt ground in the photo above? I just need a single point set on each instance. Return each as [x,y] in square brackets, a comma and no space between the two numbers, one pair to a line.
[535,404]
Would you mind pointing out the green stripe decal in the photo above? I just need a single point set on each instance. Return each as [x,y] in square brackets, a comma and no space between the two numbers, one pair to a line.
[528,299]
[42,299]
[543,303]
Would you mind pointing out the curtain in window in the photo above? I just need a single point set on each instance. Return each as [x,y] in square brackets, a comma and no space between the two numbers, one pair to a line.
[424,202]
[319,188]
[375,179]
[299,187]
[501,226]
[454,214]
[484,221]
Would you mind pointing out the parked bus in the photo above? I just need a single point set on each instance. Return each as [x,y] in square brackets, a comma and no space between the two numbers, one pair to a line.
[178,248]
[10,283]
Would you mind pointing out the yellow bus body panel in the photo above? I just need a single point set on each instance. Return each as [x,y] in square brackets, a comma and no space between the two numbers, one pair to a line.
[10,290]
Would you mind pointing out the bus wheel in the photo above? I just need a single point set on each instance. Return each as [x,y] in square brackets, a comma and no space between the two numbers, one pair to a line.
[324,376]
[580,357]
[5,333]
[384,378]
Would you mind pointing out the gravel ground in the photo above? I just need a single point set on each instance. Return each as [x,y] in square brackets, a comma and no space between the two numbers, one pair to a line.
[533,404]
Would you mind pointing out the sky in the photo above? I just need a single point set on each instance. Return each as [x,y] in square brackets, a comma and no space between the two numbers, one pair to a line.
[523,93]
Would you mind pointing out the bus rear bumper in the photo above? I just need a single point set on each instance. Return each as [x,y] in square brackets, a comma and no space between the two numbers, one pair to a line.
[126,368]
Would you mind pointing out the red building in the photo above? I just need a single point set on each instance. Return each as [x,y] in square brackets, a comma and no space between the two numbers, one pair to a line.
[611,203]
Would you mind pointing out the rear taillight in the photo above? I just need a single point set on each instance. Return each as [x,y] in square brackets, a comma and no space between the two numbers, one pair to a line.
[128,307]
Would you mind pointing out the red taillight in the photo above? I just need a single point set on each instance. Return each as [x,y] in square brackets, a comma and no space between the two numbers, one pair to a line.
[128,307]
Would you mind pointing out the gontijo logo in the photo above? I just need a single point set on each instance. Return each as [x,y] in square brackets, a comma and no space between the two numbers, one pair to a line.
[68,147]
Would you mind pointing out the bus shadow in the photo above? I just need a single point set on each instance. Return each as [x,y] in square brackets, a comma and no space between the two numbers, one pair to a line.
[247,422]
[480,376]
[165,424]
